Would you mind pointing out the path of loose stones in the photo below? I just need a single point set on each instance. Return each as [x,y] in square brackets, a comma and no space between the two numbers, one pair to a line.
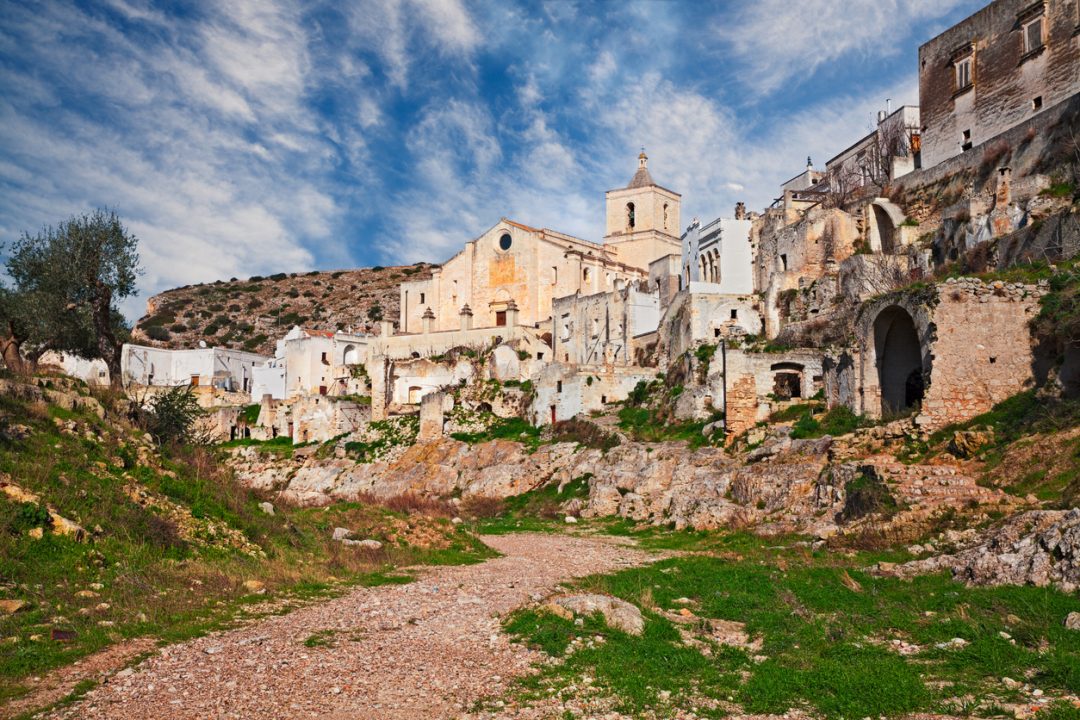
[427,649]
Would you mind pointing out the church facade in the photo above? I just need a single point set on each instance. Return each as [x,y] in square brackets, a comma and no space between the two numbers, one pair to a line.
[516,266]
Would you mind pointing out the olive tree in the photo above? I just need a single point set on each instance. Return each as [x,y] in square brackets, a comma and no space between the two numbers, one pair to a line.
[67,281]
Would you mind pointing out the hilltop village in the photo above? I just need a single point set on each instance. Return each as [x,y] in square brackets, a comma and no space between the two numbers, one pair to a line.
[773,463]
[849,287]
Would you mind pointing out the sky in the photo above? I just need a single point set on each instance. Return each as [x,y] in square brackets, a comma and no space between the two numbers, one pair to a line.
[251,137]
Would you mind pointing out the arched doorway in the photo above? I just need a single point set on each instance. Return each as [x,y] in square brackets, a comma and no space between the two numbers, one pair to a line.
[351,356]
[886,232]
[899,361]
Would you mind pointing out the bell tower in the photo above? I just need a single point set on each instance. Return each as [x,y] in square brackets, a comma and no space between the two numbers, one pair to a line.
[642,219]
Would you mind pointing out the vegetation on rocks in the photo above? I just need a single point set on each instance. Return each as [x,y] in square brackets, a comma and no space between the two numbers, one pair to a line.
[769,626]
[162,543]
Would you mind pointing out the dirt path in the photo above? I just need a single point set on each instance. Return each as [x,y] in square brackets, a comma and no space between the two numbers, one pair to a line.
[428,649]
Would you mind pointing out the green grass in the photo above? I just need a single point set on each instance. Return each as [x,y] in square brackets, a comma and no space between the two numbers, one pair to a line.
[537,510]
[160,579]
[824,645]
[838,421]
[650,425]
[513,428]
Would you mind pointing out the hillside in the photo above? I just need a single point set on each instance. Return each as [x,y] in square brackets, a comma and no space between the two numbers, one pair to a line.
[108,541]
[252,314]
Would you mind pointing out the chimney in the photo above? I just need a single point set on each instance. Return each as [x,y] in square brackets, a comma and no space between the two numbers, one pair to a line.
[511,314]
[428,318]
[466,317]
[387,328]
[740,211]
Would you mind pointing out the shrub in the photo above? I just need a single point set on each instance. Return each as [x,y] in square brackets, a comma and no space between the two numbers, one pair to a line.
[865,494]
[173,417]
[482,506]
[278,277]
[584,433]
[156,332]
[178,328]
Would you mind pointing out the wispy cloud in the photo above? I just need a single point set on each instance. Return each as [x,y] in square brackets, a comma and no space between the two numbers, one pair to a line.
[259,136]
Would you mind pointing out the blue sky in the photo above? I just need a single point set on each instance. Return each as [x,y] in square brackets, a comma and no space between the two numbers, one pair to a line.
[258,136]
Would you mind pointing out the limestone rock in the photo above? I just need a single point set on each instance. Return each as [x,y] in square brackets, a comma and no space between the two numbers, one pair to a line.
[10,607]
[967,443]
[617,613]
[1040,547]
[1072,621]
[341,533]
[267,508]
[254,586]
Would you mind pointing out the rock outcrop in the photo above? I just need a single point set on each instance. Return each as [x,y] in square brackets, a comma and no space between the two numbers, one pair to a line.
[1040,547]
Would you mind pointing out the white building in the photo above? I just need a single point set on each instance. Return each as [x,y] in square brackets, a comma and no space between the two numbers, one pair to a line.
[719,256]
[225,369]
[93,372]
[319,362]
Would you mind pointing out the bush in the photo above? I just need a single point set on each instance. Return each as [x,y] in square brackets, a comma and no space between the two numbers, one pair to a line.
[482,506]
[173,417]
[156,332]
[584,433]
[865,494]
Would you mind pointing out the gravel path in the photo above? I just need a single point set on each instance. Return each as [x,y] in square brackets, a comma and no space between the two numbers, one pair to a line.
[428,649]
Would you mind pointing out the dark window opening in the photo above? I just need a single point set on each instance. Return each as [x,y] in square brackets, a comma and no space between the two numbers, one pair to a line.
[539,356]
[734,314]
[630,218]
[506,241]
[783,263]
[1036,104]
[965,144]
[500,318]
[558,386]
[787,385]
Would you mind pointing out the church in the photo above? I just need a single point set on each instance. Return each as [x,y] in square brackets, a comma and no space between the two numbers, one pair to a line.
[513,266]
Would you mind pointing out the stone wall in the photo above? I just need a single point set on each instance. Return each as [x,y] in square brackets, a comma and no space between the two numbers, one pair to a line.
[1009,85]
[751,383]
[952,351]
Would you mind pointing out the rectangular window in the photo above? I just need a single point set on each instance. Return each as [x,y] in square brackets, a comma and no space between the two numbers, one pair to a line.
[783,263]
[421,298]
[325,359]
[963,73]
[965,141]
[1036,103]
[500,318]
[734,314]
[558,386]
[1033,35]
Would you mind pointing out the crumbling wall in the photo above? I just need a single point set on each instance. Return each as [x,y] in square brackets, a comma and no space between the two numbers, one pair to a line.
[948,352]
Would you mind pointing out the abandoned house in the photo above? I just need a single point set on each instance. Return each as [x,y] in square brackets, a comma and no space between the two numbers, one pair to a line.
[997,68]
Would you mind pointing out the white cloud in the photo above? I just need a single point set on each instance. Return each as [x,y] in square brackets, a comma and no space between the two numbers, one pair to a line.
[776,40]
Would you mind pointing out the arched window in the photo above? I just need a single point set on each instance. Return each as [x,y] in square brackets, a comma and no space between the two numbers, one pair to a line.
[585,274]
[665,216]
[630,215]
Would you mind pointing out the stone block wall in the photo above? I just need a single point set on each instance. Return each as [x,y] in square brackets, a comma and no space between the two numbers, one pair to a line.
[983,350]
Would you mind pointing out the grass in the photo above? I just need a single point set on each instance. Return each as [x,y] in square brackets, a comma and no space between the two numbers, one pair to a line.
[536,510]
[838,421]
[825,627]
[514,428]
[174,567]
[651,425]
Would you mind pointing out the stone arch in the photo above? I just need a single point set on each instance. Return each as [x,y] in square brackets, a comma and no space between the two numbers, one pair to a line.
[899,360]
[350,355]
[885,219]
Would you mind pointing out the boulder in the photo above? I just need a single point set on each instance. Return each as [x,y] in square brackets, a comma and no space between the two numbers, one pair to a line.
[1072,621]
[618,614]
[267,508]
[341,534]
